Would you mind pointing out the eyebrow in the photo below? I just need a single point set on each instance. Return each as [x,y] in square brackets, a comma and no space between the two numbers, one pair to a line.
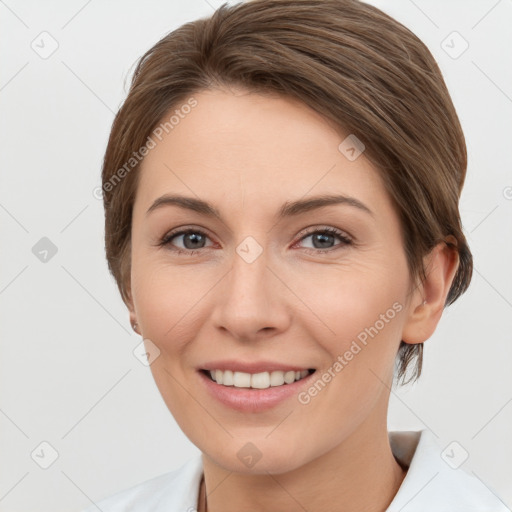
[288,209]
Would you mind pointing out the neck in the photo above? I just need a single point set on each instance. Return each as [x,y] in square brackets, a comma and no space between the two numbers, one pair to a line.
[361,473]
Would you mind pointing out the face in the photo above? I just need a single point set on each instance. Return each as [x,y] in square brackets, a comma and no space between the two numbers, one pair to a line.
[276,281]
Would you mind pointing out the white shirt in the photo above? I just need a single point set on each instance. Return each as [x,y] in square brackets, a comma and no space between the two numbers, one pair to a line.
[430,485]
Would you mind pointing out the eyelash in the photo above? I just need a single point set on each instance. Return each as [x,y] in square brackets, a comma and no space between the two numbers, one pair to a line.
[331,231]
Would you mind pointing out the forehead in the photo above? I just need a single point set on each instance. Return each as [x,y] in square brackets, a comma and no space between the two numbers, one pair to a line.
[236,146]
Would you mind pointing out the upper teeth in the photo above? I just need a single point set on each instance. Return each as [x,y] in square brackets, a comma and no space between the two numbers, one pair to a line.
[261,380]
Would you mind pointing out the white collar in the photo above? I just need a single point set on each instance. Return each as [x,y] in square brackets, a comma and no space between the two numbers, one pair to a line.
[430,484]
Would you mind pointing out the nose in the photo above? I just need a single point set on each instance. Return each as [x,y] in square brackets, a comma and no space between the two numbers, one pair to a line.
[251,302]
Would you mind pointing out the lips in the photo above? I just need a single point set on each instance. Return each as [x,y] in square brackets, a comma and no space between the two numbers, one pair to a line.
[252,399]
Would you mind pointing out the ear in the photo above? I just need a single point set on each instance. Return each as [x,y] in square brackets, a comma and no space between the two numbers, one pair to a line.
[440,267]
[128,300]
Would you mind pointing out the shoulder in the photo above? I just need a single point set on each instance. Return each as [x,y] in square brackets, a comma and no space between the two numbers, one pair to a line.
[175,490]
[435,480]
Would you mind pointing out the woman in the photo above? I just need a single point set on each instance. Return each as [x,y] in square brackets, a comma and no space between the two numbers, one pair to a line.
[281,194]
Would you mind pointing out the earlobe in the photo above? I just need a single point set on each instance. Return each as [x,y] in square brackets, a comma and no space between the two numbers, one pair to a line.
[133,321]
[131,308]
[428,303]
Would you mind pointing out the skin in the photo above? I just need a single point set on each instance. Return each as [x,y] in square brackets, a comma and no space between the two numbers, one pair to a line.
[299,302]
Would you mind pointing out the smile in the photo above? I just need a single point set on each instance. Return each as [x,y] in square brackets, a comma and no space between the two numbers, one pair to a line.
[261,380]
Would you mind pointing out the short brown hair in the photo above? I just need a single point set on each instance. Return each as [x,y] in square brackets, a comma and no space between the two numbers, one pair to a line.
[345,59]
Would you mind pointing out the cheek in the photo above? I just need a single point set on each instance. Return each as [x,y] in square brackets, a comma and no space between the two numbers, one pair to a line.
[353,303]
[168,301]
[361,313]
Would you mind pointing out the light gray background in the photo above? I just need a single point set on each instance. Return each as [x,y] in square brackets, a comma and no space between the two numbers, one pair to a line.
[67,372]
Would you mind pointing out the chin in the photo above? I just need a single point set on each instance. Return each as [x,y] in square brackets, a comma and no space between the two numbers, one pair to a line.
[253,459]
